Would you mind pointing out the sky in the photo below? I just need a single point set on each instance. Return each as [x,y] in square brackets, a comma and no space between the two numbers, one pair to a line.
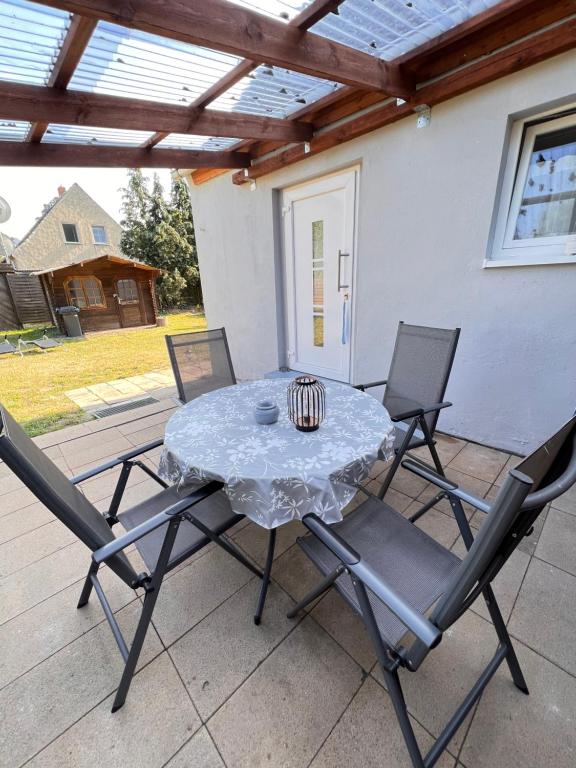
[27,190]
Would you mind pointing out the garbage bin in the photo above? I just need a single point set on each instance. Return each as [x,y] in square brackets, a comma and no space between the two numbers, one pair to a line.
[71,321]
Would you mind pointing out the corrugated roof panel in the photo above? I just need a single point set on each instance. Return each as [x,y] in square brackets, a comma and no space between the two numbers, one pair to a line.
[13,130]
[82,134]
[133,64]
[30,38]
[189,141]
[284,10]
[390,28]
[273,92]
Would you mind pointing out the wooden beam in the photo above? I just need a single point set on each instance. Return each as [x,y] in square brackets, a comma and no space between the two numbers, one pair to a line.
[46,105]
[304,20]
[524,54]
[222,26]
[74,45]
[80,156]
[206,174]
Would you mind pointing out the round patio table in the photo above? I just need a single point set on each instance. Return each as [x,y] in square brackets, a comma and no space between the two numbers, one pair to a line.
[273,473]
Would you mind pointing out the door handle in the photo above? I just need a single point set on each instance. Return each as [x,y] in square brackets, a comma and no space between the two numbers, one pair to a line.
[341,255]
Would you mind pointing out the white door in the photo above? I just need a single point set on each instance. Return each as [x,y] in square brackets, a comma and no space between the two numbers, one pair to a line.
[318,249]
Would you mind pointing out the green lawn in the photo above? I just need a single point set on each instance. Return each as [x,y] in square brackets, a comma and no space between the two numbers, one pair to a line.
[32,387]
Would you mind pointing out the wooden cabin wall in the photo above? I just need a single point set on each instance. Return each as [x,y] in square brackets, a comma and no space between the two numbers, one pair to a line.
[113,316]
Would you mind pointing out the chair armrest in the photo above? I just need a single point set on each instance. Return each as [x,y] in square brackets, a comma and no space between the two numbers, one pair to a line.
[412,619]
[421,410]
[105,552]
[452,489]
[363,387]
[118,460]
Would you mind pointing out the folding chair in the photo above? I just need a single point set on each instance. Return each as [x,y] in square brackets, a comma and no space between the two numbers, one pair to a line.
[201,362]
[415,389]
[7,348]
[401,581]
[166,528]
[44,343]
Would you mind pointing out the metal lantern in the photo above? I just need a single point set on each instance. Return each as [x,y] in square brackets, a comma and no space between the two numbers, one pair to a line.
[306,403]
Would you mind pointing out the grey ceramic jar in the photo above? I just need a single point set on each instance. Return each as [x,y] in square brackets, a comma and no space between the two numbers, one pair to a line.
[266,412]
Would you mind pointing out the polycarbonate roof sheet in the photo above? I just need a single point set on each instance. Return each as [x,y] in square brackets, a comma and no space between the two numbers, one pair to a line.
[284,10]
[133,64]
[13,130]
[30,38]
[390,28]
[189,141]
[82,134]
[273,92]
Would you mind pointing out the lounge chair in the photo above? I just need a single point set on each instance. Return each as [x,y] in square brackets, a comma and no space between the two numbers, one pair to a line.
[409,589]
[44,343]
[7,348]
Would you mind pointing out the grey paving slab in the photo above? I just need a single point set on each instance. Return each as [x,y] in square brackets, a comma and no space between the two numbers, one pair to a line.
[216,656]
[41,704]
[511,730]
[99,451]
[286,709]
[295,573]
[346,627]
[253,539]
[47,627]
[21,521]
[8,483]
[33,546]
[557,543]
[192,593]
[199,752]
[157,718]
[368,735]
[479,461]
[17,499]
[566,502]
[447,447]
[408,483]
[436,524]
[544,616]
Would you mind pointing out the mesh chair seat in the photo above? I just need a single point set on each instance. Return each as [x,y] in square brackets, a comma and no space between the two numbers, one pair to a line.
[214,512]
[406,558]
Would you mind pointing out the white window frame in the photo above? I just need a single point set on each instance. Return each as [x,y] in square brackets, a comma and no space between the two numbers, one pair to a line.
[505,251]
[103,228]
[71,242]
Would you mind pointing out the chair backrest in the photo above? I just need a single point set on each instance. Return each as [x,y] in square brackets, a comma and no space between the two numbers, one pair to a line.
[201,362]
[421,366]
[544,475]
[55,491]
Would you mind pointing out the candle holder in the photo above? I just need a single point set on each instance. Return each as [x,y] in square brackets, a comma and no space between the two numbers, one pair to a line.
[306,403]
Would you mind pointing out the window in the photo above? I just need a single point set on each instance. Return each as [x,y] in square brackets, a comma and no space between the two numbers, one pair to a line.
[85,292]
[127,291]
[99,235]
[318,282]
[70,233]
[537,211]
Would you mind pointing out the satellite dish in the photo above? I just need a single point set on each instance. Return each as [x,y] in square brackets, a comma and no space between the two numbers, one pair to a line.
[4,211]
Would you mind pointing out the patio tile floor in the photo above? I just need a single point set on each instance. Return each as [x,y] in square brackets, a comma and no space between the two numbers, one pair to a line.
[214,691]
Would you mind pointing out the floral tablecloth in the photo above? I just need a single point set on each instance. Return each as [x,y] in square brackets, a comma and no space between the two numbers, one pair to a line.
[274,474]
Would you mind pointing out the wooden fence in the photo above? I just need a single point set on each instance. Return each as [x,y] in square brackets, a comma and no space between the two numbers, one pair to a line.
[22,300]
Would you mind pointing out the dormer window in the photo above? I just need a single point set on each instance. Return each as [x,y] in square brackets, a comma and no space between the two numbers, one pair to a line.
[70,233]
[99,235]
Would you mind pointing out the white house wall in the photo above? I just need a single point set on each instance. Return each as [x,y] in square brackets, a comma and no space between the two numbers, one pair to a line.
[425,208]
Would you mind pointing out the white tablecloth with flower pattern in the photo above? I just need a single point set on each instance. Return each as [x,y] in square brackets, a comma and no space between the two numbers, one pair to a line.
[274,473]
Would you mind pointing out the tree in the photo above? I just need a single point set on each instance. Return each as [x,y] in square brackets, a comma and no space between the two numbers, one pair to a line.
[162,234]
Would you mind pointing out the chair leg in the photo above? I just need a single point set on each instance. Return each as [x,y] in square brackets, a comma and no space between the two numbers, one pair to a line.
[399,455]
[152,591]
[324,585]
[265,577]
[431,447]
[395,691]
[87,588]
[505,640]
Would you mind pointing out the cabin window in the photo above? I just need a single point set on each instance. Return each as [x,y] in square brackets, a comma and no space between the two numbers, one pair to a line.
[537,211]
[70,233]
[127,291]
[99,235]
[85,292]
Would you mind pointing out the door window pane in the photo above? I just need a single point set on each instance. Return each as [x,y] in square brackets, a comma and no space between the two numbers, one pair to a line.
[548,204]
[127,291]
[93,292]
[99,235]
[318,282]
[76,294]
[70,233]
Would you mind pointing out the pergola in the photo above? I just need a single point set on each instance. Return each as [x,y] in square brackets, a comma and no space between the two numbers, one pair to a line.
[252,85]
